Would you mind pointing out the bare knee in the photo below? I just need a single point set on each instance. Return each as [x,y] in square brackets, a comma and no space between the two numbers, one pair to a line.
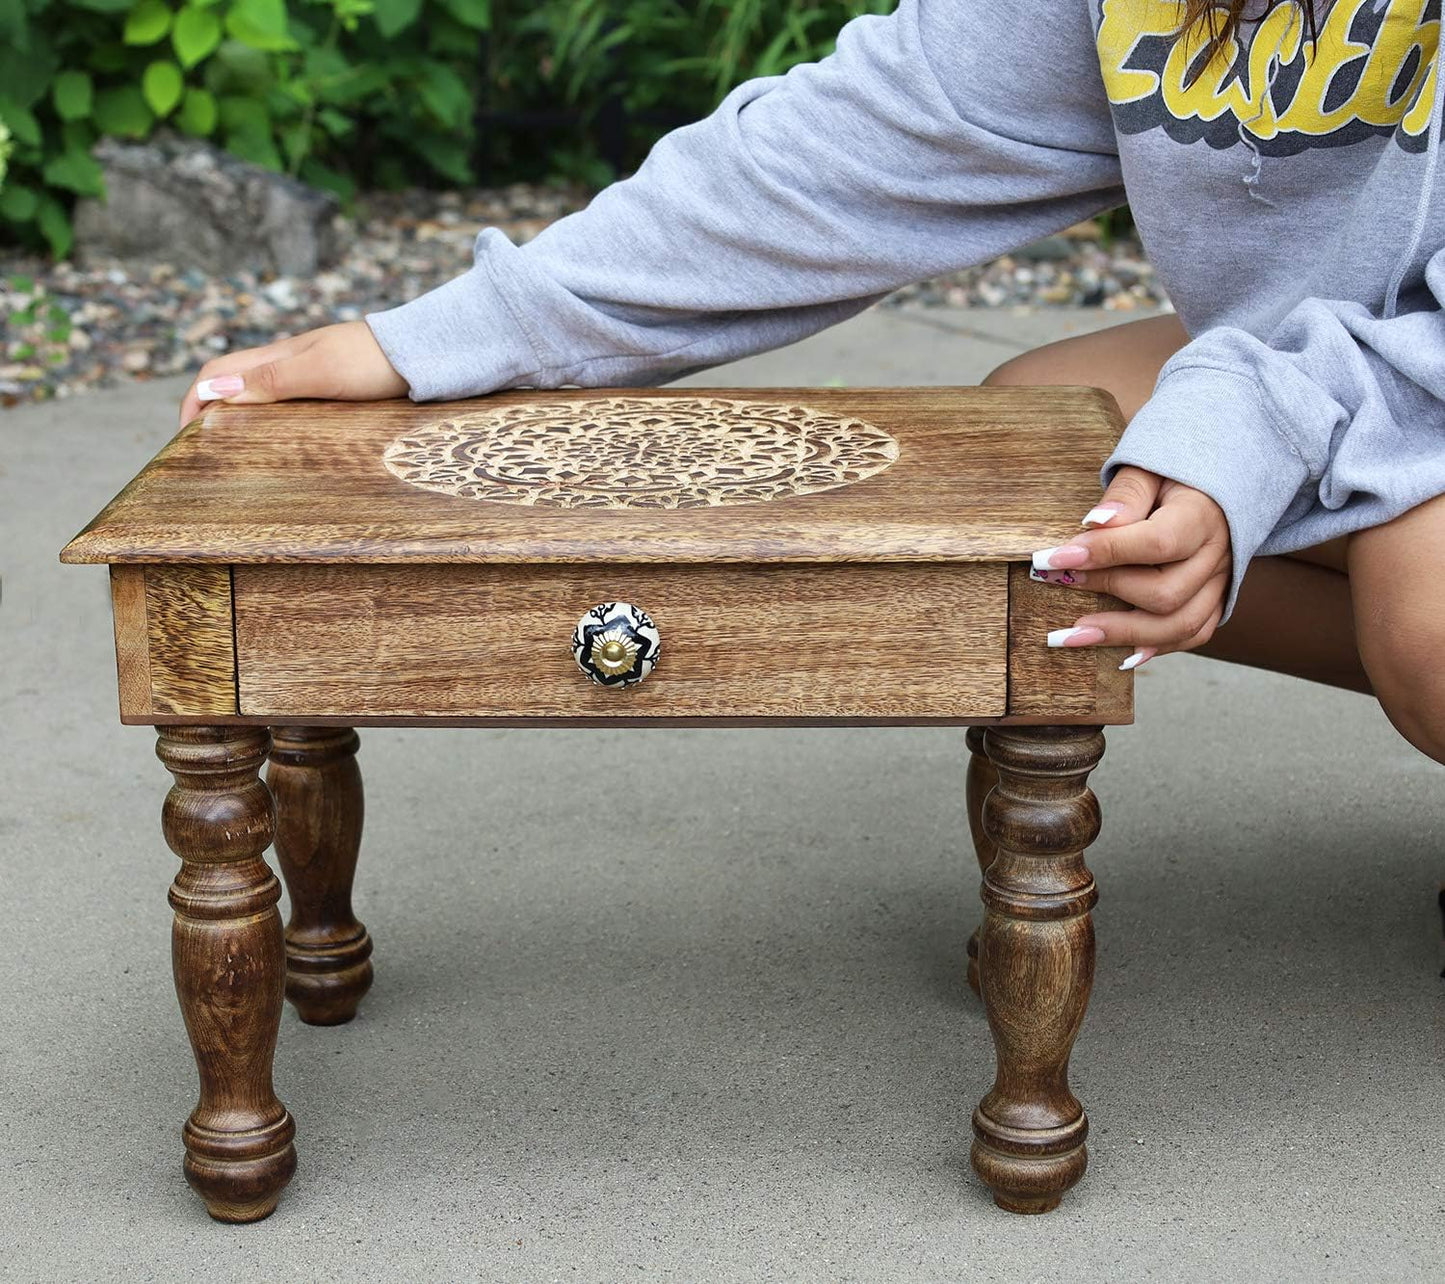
[1400,621]
[1020,371]
[1124,360]
[1401,653]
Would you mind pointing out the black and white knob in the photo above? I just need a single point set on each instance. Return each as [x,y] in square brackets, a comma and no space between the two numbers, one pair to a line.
[616,644]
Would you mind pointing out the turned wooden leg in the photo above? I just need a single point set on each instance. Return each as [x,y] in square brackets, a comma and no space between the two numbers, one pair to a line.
[981,778]
[1036,957]
[230,965]
[317,786]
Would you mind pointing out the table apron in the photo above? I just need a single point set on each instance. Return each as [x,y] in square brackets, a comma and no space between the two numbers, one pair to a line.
[469,644]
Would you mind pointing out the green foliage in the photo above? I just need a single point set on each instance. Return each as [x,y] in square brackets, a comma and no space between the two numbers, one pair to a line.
[672,59]
[40,326]
[349,93]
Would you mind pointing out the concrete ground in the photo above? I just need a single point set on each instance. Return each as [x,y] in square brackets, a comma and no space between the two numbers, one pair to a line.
[731,1042]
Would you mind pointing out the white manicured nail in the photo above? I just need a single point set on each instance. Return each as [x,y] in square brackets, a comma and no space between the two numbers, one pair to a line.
[219,387]
[1139,657]
[1063,557]
[1100,516]
[1064,637]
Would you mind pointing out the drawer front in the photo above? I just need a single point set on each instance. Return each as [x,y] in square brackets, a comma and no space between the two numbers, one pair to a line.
[817,640]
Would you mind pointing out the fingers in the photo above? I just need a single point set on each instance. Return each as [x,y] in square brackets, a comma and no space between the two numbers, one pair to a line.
[1191,625]
[1130,498]
[1158,545]
[1185,521]
[1161,590]
[338,362]
[234,363]
[297,374]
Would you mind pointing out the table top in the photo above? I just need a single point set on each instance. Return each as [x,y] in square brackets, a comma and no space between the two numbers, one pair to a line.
[621,474]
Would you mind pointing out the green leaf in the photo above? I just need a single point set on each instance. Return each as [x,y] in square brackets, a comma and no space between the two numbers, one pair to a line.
[76,172]
[446,93]
[163,85]
[103,6]
[22,124]
[77,136]
[54,225]
[448,156]
[334,123]
[394,16]
[22,284]
[18,203]
[447,38]
[256,148]
[359,83]
[324,62]
[26,75]
[473,13]
[72,95]
[296,142]
[123,112]
[248,131]
[245,115]
[198,112]
[147,22]
[14,27]
[319,175]
[196,34]
[238,67]
[261,24]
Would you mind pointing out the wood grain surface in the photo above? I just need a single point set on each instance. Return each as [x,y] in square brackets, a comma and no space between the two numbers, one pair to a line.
[132,640]
[192,648]
[229,964]
[315,780]
[982,473]
[1036,960]
[1062,683]
[864,641]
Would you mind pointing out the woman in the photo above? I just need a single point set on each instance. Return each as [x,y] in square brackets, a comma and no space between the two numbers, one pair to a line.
[1277,495]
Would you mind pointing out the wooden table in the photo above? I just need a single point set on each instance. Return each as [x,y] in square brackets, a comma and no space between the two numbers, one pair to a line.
[283,574]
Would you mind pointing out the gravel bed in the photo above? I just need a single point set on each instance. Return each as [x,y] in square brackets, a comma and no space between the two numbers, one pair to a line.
[69,329]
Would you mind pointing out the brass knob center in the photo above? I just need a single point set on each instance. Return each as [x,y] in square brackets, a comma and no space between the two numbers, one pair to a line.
[614,652]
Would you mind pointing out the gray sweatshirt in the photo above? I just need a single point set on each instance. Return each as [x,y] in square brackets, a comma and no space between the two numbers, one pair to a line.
[1290,209]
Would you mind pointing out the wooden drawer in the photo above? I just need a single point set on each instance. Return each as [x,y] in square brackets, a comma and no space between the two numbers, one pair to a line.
[899,640]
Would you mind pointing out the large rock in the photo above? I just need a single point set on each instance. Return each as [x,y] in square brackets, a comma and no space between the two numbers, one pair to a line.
[176,200]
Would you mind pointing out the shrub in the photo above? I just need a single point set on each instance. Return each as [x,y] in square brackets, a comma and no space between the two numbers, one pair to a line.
[348,93]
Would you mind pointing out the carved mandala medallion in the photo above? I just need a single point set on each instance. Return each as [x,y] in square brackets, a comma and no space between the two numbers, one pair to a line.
[634,452]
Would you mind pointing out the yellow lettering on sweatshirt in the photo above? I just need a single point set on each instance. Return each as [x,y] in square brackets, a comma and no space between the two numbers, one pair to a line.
[1146,33]
[1121,28]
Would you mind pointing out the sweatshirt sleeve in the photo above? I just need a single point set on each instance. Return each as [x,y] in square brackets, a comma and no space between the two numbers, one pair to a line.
[1332,422]
[934,138]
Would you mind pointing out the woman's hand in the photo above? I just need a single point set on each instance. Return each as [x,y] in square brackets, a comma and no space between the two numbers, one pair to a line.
[1159,545]
[337,362]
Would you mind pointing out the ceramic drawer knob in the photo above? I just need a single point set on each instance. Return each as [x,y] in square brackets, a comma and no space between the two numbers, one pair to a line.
[616,644]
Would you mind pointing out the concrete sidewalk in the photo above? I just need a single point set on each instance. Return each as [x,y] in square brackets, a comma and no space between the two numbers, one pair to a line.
[736,1046]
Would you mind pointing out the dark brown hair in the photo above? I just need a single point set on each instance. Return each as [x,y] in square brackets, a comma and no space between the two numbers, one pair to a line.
[1206,13]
